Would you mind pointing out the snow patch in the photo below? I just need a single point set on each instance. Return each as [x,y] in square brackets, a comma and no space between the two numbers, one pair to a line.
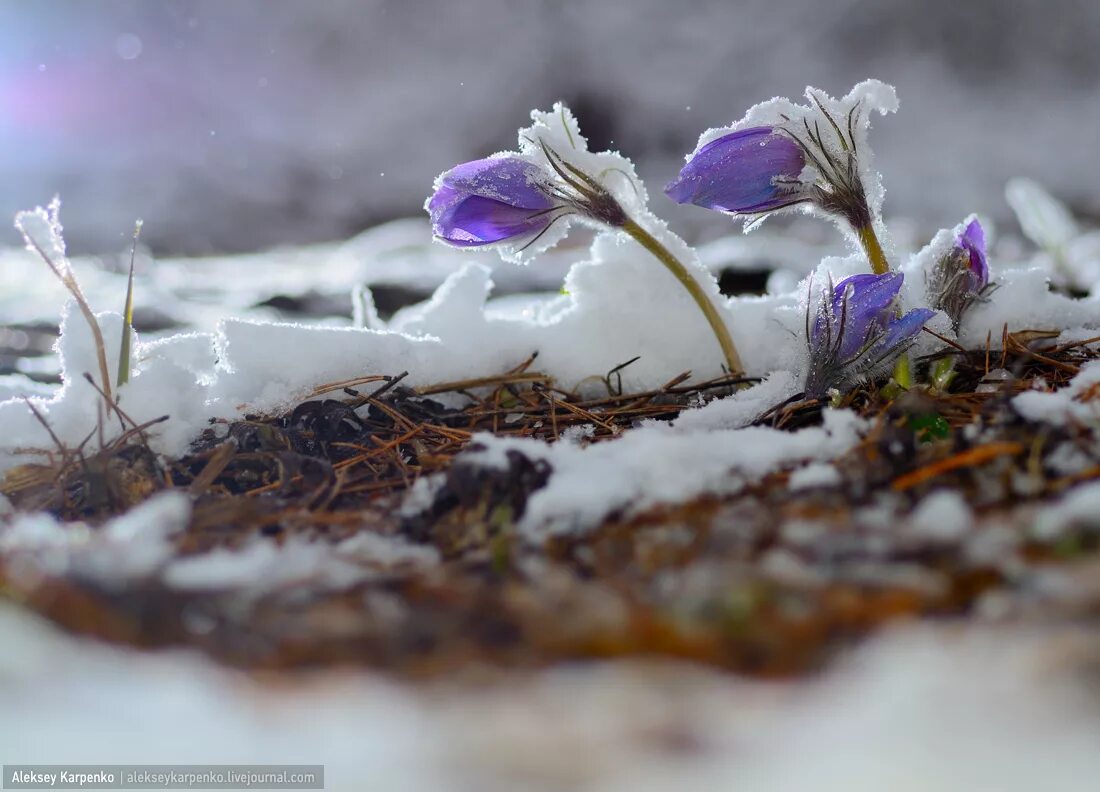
[942,517]
[1078,402]
[652,465]
[1079,507]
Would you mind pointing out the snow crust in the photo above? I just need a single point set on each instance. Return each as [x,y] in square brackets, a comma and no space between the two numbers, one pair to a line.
[1069,256]
[618,303]
[654,465]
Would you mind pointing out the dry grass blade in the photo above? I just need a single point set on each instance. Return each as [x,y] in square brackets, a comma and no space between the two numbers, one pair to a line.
[64,273]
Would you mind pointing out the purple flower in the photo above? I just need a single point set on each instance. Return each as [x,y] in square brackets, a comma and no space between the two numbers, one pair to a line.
[811,156]
[857,330]
[962,275]
[491,200]
[750,171]
[972,241]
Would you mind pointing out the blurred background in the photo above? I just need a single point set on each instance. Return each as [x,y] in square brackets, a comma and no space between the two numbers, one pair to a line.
[233,126]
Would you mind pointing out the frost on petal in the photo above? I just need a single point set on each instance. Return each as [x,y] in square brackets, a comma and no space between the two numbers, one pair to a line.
[510,180]
[745,172]
[490,200]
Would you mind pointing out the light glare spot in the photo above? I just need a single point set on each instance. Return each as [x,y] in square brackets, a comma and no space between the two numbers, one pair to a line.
[128,46]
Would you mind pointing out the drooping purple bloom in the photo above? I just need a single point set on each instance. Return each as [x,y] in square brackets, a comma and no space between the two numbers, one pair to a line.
[962,275]
[811,156]
[491,200]
[750,171]
[857,331]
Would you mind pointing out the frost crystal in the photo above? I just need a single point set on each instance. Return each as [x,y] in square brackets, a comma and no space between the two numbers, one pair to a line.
[42,232]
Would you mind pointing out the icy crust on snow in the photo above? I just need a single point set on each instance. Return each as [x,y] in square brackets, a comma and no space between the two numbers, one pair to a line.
[655,465]
[619,303]
[1079,507]
[199,292]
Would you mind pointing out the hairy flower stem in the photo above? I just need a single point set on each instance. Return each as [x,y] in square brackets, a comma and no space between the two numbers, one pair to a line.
[873,249]
[721,332]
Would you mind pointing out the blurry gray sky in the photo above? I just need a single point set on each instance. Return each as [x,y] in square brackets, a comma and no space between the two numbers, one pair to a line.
[240,125]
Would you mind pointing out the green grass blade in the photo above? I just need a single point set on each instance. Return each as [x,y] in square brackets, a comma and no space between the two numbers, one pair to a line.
[128,316]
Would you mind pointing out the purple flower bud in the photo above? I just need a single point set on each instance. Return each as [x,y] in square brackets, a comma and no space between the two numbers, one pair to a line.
[972,240]
[750,171]
[491,200]
[857,331]
[762,169]
[960,277]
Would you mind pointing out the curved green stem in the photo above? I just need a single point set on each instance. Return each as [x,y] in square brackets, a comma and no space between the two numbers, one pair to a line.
[903,370]
[869,240]
[664,255]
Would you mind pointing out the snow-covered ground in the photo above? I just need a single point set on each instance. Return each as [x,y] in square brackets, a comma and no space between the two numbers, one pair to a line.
[918,709]
[603,318]
[923,708]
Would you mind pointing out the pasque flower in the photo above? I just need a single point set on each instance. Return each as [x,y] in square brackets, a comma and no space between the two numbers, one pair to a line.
[491,200]
[512,200]
[857,330]
[962,275]
[761,169]
[751,171]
